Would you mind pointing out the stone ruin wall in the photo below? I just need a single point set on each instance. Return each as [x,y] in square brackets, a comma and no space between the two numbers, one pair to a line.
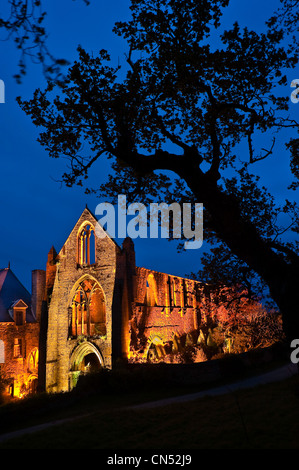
[19,370]
[165,314]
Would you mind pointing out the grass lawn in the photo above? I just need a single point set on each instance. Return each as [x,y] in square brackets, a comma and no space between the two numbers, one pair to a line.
[266,417]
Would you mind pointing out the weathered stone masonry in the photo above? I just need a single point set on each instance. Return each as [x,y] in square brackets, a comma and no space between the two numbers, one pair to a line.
[166,309]
[19,334]
[92,306]
[67,345]
[145,311]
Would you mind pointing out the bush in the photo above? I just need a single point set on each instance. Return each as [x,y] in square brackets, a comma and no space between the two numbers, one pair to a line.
[125,379]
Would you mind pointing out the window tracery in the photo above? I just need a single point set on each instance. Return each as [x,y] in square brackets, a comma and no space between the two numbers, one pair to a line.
[88,313]
[86,246]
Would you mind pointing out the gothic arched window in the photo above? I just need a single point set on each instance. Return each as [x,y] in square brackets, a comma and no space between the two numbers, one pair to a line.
[151,291]
[88,310]
[33,360]
[86,245]
[171,291]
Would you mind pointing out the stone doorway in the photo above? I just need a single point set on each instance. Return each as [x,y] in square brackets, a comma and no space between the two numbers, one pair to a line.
[90,363]
[85,359]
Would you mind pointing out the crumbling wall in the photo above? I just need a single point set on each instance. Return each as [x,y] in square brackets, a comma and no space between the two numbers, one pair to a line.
[19,371]
[165,314]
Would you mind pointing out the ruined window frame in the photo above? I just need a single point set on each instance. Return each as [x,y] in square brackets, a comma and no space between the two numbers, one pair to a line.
[86,245]
[81,323]
[151,295]
[17,348]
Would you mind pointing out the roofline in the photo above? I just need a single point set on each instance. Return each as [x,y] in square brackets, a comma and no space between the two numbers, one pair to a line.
[9,269]
[111,238]
[94,217]
[172,275]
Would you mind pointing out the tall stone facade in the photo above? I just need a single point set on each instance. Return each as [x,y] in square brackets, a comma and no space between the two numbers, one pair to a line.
[84,286]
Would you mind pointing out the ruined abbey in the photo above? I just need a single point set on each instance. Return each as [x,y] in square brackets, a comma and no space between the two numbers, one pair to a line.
[90,307]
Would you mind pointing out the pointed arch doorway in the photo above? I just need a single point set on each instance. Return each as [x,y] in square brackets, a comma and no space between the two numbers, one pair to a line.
[85,359]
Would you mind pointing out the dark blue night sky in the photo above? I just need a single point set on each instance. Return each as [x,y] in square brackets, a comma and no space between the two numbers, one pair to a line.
[36,212]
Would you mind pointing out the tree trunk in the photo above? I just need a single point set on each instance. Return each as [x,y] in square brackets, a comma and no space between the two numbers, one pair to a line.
[286,295]
[245,242]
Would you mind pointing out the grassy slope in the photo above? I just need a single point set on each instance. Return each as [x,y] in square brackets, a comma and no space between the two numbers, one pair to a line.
[266,417]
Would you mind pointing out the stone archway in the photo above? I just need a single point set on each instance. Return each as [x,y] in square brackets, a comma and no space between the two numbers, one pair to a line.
[86,358]
[155,350]
[32,384]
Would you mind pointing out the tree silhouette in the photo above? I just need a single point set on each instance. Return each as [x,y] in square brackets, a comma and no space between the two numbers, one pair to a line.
[188,100]
[24,24]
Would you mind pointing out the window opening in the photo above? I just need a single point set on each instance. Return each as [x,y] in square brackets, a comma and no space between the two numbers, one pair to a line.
[86,246]
[88,310]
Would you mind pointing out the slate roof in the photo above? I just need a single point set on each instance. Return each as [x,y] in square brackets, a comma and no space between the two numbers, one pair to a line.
[12,290]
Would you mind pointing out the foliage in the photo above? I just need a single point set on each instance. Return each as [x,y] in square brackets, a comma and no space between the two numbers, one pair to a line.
[24,24]
[241,322]
[286,17]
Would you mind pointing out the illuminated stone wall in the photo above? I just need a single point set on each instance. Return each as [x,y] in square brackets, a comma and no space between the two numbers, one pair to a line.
[149,315]
[165,314]
[19,372]
[94,306]
[103,308]
[69,353]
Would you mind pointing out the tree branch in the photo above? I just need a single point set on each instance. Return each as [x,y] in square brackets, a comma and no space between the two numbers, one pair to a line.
[293,256]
